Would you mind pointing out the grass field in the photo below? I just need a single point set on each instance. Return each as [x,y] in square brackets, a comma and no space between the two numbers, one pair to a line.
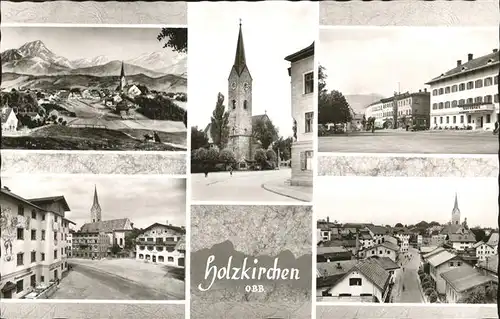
[71,138]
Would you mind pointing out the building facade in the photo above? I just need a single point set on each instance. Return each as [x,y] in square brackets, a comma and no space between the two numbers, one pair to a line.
[411,109]
[301,72]
[32,242]
[466,97]
[90,245]
[163,244]
[485,250]
[9,120]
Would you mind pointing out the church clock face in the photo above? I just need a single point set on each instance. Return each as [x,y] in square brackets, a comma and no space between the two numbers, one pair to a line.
[233,85]
[246,86]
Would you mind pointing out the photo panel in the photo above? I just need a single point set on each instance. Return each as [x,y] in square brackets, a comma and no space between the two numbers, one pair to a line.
[251,261]
[67,310]
[430,241]
[92,237]
[115,88]
[252,101]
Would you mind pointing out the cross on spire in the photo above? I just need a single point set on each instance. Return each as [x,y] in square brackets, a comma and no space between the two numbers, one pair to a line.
[240,22]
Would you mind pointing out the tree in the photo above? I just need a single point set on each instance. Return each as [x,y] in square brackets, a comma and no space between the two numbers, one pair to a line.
[283,147]
[321,79]
[398,225]
[333,108]
[226,156]
[479,234]
[429,291]
[271,156]
[260,156]
[426,284]
[176,39]
[433,297]
[212,156]
[115,249]
[130,238]
[265,132]
[481,295]
[200,155]
[219,127]
[198,138]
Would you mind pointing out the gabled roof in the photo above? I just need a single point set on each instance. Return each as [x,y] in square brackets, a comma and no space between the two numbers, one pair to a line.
[468,238]
[465,277]
[6,111]
[479,243]
[257,118]
[484,61]
[49,200]
[493,240]
[373,271]
[334,268]
[301,54]
[175,228]
[386,244]
[19,198]
[377,230]
[441,258]
[340,243]
[428,250]
[385,262]
[106,226]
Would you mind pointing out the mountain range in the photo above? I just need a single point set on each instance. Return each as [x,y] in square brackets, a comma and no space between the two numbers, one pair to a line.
[34,58]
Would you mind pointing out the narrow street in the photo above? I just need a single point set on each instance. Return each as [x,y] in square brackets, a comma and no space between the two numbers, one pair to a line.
[407,286]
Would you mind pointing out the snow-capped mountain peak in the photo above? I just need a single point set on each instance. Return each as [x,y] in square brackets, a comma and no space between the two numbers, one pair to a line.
[89,62]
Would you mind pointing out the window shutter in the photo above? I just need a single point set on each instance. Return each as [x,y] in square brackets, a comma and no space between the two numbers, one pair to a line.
[303,160]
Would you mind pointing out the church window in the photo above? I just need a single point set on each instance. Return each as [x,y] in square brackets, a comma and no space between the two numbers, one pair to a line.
[309,122]
[308,82]
[234,104]
[245,104]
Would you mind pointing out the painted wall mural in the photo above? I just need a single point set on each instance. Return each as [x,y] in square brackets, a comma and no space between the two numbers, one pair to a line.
[8,225]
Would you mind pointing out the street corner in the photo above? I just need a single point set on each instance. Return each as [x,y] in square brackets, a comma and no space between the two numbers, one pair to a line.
[283,187]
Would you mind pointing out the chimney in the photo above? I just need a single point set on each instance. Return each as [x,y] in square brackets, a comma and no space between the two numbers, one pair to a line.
[420,91]
[425,90]
[459,62]
[495,50]
[470,56]
[6,188]
[339,266]
[328,219]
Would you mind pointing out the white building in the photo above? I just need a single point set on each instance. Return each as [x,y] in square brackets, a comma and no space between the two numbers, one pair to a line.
[404,240]
[440,263]
[485,250]
[163,244]
[385,249]
[467,95]
[9,120]
[33,243]
[461,281]
[302,76]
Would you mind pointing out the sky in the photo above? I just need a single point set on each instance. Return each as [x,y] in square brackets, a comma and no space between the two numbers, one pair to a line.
[271,31]
[408,200]
[364,60]
[79,42]
[144,200]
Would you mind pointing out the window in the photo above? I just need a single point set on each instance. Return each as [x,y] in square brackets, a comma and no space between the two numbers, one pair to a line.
[454,88]
[495,98]
[470,85]
[495,80]
[234,104]
[488,99]
[479,84]
[42,255]
[55,235]
[461,118]
[440,105]
[20,234]
[245,104]
[440,120]
[20,259]
[62,252]
[308,83]
[488,118]
[309,122]
[461,87]
[454,119]
[306,160]
[447,120]
[33,234]
[461,102]
[42,279]
[454,103]
[441,91]
[33,214]
[33,256]
[459,263]
[43,234]
[19,286]
[354,281]
[170,259]
[447,105]
[488,81]
[434,92]
[434,106]
[478,99]
[447,89]
[55,218]
[435,120]
[469,118]
[470,100]
[43,216]
[55,254]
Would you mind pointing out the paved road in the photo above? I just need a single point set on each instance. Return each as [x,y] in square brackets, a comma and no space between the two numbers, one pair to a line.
[242,186]
[409,278]
[428,142]
[85,282]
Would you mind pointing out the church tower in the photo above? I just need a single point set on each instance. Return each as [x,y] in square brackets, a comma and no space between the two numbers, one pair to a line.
[455,213]
[240,106]
[95,211]
[123,80]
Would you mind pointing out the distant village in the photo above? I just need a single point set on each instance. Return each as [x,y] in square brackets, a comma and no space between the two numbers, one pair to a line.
[31,108]
[426,262]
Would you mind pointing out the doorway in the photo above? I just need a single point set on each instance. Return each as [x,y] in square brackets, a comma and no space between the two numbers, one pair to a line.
[180,262]
[154,258]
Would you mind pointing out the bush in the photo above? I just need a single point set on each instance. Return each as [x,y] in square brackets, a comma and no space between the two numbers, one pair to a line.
[420,272]
[260,157]
[433,297]
[271,156]
[226,156]
[429,291]
[159,108]
[426,285]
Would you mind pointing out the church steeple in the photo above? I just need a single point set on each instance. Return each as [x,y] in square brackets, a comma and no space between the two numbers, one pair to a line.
[123,80]
[455,213]
[122,73]
[95,211]
[239,59]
